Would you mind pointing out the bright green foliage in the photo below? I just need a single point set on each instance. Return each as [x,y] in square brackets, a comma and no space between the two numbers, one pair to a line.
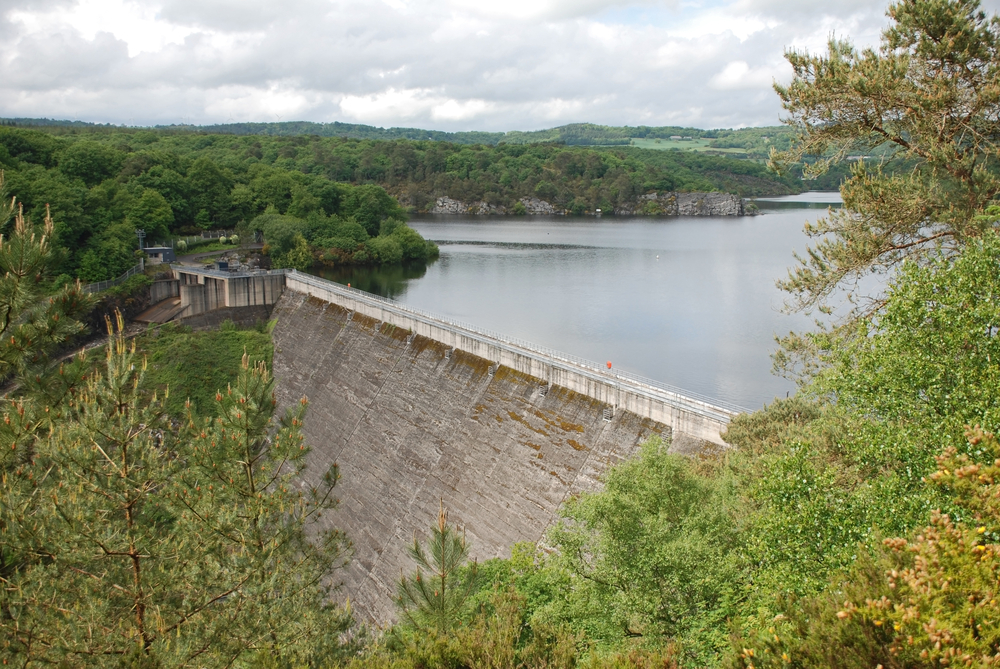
[434,597]
[294,242]
[925,361]
[500,636]
[652,557]
[32,323]
[91,162]
[928,601]
[826,476]
[111,253]
[163,547]
[387,249]
[928,97]
[194,364]
[152,213]
[298,256]
[370,205]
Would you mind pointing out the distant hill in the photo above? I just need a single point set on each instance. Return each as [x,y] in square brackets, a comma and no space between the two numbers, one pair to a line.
[50,122]
[573,134]
[348,130]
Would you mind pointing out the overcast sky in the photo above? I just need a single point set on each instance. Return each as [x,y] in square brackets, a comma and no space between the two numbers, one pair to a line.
[442,64]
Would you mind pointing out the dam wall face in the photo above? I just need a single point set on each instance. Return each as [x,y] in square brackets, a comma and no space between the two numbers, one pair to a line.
[414,422]
[698,418]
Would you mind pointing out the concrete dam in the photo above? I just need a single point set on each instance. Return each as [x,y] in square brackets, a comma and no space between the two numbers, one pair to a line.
[417,410]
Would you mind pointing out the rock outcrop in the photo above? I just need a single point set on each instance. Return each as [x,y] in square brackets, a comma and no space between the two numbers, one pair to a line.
[651,204]
[533,205]
[684,204]
[447,205]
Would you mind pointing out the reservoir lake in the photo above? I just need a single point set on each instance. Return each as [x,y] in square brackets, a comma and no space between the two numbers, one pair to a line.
[688,301]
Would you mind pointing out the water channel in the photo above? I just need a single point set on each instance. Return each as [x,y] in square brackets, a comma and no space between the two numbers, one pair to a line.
[688,301]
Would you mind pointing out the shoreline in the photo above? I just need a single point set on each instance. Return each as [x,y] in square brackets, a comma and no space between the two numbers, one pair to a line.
[669,203]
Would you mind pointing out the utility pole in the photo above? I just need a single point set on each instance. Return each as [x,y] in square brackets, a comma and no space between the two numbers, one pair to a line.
[141,234]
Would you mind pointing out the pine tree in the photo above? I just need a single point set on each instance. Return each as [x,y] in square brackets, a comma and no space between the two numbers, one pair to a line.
[927,100]
[434,597]
[165,545]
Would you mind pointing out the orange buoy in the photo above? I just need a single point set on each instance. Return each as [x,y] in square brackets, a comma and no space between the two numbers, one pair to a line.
[348,285]
[609,364]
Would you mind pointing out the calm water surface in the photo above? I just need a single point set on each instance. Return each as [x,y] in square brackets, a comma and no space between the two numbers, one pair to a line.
[687,301]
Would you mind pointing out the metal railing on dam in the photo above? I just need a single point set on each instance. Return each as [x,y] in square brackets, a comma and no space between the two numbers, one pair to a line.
[684,411]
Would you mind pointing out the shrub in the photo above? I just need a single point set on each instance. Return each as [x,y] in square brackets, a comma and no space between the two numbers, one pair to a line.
[385,249]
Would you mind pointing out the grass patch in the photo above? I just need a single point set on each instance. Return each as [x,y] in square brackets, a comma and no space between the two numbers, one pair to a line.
[197,364]
[210,247]
[699,144]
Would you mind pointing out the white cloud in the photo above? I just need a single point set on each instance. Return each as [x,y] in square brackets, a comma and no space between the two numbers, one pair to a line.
[448,64]
[135,24]
[455,110]
[541,9]
[737,75]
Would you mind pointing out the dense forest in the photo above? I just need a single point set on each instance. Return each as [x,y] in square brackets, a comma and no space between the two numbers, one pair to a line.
[585,134]
[102,183]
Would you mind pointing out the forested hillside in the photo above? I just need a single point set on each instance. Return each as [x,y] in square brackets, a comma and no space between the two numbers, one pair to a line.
[102,183]
[584,134]
[100,187]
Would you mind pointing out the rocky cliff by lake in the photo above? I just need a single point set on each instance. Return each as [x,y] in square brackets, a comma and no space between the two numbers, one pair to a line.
[651,204]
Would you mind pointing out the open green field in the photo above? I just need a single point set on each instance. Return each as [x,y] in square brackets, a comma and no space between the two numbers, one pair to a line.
[697,144]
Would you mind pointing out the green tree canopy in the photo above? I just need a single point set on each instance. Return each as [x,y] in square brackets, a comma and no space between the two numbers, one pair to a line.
[91,162]
[927,100]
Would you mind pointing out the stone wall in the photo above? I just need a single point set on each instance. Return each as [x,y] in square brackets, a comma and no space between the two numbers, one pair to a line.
[245,317]
[413,423]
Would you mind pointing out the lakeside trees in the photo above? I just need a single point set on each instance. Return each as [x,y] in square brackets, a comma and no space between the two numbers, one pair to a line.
[182,182]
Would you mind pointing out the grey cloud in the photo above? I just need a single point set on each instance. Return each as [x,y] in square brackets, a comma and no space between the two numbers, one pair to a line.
[238,15]
[63,60]
[8,6]
[530,74]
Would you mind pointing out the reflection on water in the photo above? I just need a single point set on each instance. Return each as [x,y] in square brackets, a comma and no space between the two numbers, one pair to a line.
[809,197]
[687,301]
[808,200]
[766,205]
[387,280]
